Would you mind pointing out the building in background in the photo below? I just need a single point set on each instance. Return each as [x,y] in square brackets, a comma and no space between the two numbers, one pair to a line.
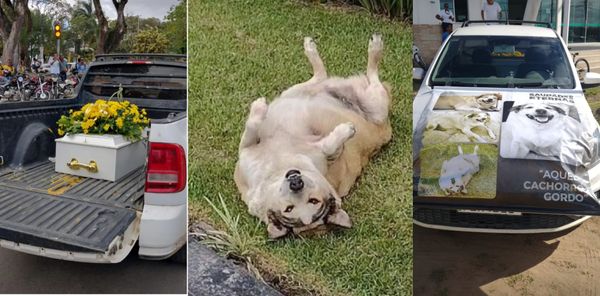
[577,21]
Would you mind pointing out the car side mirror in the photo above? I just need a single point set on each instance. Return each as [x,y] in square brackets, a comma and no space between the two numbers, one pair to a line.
[590,79]
[418,74]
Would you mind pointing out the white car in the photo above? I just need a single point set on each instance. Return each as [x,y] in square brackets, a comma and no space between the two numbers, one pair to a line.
[515,80]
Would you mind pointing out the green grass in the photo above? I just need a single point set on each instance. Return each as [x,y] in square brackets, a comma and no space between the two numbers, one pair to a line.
[241,50]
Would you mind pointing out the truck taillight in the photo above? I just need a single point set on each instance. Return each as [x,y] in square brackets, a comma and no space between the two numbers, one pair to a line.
[166,168]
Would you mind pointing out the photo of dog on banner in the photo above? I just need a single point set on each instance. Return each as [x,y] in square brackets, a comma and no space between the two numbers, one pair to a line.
[546,131]
[460,138]
[463,119]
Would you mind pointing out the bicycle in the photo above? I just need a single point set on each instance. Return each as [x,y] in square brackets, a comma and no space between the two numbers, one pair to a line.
[581,65]
[417,59]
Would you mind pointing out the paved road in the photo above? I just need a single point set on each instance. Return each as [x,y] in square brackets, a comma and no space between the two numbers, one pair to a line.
[22,273]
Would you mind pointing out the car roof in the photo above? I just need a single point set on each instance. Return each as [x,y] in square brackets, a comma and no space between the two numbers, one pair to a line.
[505,30]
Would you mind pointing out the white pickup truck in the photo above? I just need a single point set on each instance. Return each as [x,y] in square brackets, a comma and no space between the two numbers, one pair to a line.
[55,215]
[504,140]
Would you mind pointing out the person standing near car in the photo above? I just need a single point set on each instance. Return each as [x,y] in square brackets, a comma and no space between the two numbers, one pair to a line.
[447,17]
[490,11]
[81,66]
[55,65]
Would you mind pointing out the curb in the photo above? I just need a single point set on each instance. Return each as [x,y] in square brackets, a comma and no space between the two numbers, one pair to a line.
[211,274]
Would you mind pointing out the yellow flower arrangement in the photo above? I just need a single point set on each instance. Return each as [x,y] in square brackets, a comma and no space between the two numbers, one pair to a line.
[105,117]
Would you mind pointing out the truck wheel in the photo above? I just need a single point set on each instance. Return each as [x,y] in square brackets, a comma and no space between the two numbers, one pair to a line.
[180,256]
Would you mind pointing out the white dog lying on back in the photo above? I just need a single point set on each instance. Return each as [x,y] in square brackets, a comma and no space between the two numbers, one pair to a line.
[302,153]
[458,171]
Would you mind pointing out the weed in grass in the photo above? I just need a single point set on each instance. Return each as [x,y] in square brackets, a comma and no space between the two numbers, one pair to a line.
[231,242]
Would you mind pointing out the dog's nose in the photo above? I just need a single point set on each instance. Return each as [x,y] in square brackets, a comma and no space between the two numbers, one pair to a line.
[296,184]
[295,179]
[541,111]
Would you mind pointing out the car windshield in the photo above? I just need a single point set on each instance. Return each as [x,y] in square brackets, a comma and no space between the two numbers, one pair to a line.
[503,61]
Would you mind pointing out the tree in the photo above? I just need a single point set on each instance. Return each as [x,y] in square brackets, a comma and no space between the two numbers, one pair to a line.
[150,41]
[109,38]
[175,26]
[41,32]
[83,26]
[13,18]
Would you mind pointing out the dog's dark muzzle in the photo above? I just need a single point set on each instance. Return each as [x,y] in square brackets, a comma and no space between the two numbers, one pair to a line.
[295,180]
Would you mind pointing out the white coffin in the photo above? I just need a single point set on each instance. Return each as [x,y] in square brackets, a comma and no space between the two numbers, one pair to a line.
[113,155]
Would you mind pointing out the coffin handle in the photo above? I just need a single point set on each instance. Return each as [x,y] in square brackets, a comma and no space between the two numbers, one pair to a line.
[92,167]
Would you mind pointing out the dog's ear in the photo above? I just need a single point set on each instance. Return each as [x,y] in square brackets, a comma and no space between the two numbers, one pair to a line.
[498,96]
[517,108]
[274,227]
[340,218]
[558,109]
[276,231]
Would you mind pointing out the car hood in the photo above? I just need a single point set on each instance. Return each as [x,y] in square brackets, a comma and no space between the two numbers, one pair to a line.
[511,150]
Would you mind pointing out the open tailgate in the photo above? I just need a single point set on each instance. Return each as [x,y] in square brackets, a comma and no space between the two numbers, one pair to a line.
[42,208]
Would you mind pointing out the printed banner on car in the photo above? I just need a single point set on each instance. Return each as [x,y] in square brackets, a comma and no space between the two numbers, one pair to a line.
[527,151]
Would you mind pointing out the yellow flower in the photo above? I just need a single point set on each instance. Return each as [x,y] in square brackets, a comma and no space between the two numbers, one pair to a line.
[61,132]
[113,111]
[120,122]
[86,125]
[106,127]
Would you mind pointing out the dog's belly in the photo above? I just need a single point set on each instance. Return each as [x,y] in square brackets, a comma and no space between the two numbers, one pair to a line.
[307,117]
[460,167]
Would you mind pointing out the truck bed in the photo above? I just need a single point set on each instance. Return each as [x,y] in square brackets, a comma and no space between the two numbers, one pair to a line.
[43,208]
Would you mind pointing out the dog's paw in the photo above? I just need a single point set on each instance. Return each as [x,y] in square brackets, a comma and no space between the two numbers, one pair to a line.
[258,109]
[375,44]
[347,130]
[309,45]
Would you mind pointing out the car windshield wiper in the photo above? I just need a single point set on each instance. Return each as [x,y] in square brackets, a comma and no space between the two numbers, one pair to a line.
[452,83]
[537,85]
[529,85]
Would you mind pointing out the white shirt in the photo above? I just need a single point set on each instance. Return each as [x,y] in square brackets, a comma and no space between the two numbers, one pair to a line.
[55,67]
[446,16]
[490,12]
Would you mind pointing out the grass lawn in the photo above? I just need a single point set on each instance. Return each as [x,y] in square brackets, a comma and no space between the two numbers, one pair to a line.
[241,50]
[593,97]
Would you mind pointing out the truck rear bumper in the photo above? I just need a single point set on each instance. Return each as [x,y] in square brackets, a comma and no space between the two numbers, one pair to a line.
[163,231]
